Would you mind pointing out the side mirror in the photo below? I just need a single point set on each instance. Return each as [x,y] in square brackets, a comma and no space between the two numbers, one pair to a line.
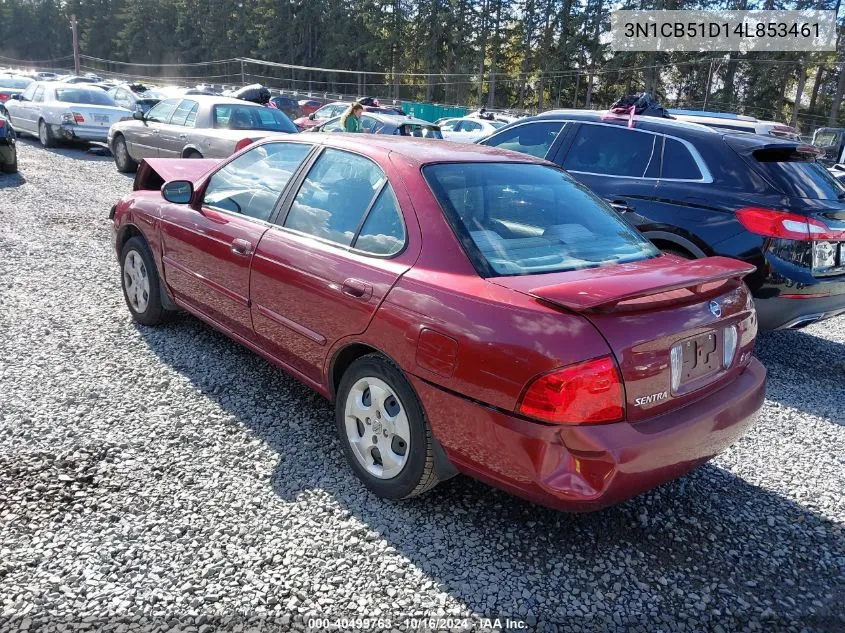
[138,115]
[18,97]
[178,191]
[312,116]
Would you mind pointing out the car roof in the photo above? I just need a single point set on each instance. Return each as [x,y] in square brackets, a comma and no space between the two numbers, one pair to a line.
[397,119]
[207,99]
[417,150]
[677,127]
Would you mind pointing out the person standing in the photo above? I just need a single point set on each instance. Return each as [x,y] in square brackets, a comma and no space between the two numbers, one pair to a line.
[350,120]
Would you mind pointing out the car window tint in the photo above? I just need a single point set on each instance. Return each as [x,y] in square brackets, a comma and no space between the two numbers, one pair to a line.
[678,162]
[529,138]
[39,95]
[612,151]
[251,184]
[383,232]
[334,196]
[470,126]
[162,112]
[524,218]
[180,114]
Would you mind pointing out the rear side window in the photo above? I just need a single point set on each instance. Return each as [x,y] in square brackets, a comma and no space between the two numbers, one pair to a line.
[338,190]
[523,219]
[797,173]
[181,114]
[162,111]
[252,183]
[419,131]
[383,232]
[529,138]
[612,151]
[678,163]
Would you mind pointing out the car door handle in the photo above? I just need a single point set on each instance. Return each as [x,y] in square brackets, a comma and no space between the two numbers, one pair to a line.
[619,206]
[241,247]
[357,288]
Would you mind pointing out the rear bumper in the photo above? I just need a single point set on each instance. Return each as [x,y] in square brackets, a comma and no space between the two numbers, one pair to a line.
[786,312]
[97,134]
[587,468]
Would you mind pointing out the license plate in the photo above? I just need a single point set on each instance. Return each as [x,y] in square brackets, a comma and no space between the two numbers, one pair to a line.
[701,357]
[101,118]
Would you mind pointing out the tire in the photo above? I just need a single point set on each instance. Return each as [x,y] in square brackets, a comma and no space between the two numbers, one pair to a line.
[401,431]
[45,134]
[140,282]
[122,159]
[10,168]
[678,252]
[192,153]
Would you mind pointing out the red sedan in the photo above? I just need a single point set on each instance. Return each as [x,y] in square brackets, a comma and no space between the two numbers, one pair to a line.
[466,309]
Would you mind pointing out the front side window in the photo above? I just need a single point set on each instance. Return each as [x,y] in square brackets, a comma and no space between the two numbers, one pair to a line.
[338,190]
[522,219]
[181,114]
[162,111]
[470,126]
[450,125]
[332,125]
[529,138]
[610,150]
[252,183]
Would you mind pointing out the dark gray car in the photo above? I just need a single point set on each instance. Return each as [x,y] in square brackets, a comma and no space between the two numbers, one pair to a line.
[193,126]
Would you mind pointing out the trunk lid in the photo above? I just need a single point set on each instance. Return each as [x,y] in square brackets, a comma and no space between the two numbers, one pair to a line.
[644,309]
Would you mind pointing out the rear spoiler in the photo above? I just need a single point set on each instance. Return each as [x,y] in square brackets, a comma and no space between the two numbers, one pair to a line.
[593,292]
[154,172]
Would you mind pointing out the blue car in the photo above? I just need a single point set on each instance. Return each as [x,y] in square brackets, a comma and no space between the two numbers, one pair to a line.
[696,191]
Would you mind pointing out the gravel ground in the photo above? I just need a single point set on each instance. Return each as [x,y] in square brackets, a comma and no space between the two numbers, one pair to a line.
[171,480]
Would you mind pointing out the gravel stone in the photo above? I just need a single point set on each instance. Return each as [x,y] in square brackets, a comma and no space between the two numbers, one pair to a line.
[167,479]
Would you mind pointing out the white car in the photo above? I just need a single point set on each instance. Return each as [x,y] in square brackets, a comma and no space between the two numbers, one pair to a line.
[736,122]
[467,129]
[64,112]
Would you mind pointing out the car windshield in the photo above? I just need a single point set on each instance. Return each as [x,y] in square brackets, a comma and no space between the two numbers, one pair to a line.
[14,82]
[247,117]
[798,174]
[84,96]
[525,219]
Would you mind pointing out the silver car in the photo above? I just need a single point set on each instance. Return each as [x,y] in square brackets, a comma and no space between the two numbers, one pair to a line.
[193,126]
[377,123]
[64,112]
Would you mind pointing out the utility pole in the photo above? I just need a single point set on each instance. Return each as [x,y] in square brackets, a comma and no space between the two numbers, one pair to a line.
[707,85]
[75,44]
[243,74]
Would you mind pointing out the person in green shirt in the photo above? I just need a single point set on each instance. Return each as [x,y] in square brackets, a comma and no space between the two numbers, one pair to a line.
[350,120]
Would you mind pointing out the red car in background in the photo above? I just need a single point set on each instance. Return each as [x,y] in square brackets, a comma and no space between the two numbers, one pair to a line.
[467,310]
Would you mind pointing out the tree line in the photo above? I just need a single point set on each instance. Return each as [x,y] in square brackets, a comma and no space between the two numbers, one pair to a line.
[522,54]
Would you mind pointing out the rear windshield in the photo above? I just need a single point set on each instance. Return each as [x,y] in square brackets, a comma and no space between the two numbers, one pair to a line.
[9,82]
[419,130]
[524,219]
[798,174]
[84,96]
[246,117]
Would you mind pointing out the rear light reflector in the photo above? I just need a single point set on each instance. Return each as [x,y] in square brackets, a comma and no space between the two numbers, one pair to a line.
[676,364]
[586,393]
[729,340]
[243,143]
[78,117]
[773,223]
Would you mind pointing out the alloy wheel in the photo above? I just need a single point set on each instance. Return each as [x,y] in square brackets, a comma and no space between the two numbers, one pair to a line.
[136,281]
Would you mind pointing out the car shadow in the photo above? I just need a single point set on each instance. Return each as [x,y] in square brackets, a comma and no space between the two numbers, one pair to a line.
[805,372]
[76,151]
[9,181]
[710,546]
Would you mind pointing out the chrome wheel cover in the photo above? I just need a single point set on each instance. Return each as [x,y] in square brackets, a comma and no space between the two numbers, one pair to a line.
[377,428]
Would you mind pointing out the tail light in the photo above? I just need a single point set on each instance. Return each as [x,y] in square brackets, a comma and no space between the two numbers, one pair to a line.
[243,143]
[4,96]
[78,117]
[72,117]
[586,393]
[772,223]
